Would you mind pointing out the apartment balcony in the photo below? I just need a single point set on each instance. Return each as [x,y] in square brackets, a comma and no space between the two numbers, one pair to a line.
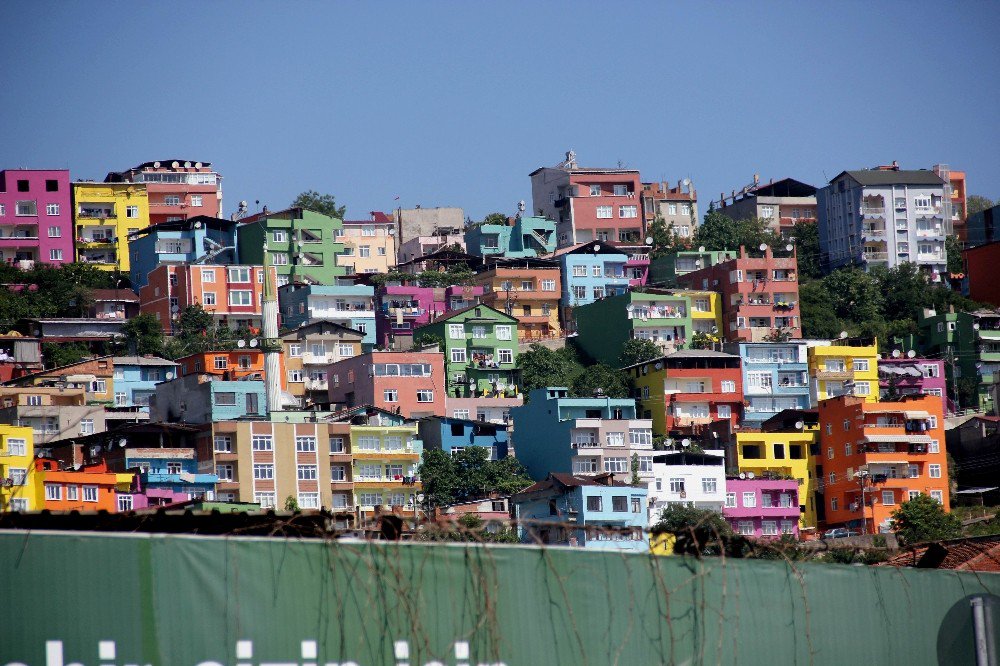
[646,314]
[182,477]
[308,358]
[871,211]
[874,231]
[989,354]
[871,257]
[835,375]
[989,334]
[315,384]
[18,241]
[94,242]
[96,213]
[391,311]
[341,485]
[407,455]
[533,318]
[397,482]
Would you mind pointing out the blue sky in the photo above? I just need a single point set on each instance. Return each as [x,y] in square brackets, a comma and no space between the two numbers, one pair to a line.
[454,103]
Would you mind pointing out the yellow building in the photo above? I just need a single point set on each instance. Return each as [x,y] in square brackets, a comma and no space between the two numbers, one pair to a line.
[846,366]
[787,454]
[369,245]
[384,467]
[104,214]
[21,487]
[705,311]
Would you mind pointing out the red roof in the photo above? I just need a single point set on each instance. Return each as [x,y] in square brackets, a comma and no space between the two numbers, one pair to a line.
[973,554]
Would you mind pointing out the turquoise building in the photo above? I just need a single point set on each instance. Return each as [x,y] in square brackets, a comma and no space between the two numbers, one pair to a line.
[203,399]
[524,237]
[199,239]
[136,377]
[352,305]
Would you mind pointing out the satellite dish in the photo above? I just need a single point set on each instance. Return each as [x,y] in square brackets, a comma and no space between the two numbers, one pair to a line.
[911,354]
[187,165]
[743,475]
[789,247]
[521,205]
[658,365]
[197,225]
[156,165]
[649,240]
[254,342]
[799,425]
[686,182]
[762,247]
[169,375]
[175,309]
[175,164]
[122,442]
[597,246]
[76,467]
[685,442]
[896,353]
[843,335]
[701,248]
[715,329]
[750,475]
[697,262]
[392,231]
[197,165]
[241,343]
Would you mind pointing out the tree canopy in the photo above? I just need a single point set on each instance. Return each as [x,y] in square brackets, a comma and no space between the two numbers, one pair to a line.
[807,252]
[612,382]
[541,367]
[638,350]
[697,531]
[320,203]
[721,232]
[469,474]
[143,334]
[976,203]
[924,519]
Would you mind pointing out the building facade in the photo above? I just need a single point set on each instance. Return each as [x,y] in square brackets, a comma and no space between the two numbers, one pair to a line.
[22,484]
[527,289]
[302,244]
[136,377]
[309,350]
[762,508]
[603,326]
[969,343]
[402,307]
[369,245]
[775,378]
[200,239]
[591,271]
[452,435]
[105,216]
[352,305]
[912,376]
[421,231]
[682,478]
[178,189]
[677,206]
[412,384]
[848,366]
[788,454]
[521,236]
[979,266]
[779,204]
[36,217]
[51,413]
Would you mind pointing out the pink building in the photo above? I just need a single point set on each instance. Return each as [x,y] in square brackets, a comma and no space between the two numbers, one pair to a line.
[407,383]
[178,189]
[637,269]
[762,508]
[36,217]
[912,376]
[401,308]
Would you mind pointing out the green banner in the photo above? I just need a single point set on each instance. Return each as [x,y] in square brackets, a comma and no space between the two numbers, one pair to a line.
[88,599]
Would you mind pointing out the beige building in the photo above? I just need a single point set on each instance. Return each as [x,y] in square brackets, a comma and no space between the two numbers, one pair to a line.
[53,413]
[781,204]
[309,349]
[420,231]
[369,245]
[676,205]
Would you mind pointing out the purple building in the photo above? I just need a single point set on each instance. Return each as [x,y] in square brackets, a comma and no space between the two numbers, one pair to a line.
[402,308]
[36,217]
[912,376]
[762,508]
[637,270]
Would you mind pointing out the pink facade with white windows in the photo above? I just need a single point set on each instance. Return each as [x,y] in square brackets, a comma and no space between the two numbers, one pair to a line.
[762,508]
[402,308]
[36,217]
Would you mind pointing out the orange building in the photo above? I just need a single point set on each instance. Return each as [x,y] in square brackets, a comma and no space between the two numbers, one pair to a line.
[526,288]
[229,365]
[91,488]
[876,455]
[231,294]
[959,203]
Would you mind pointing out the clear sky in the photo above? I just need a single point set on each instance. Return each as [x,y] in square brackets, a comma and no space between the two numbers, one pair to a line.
[454,103]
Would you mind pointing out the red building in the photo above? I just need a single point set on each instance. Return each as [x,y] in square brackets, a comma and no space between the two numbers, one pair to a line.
[178,189]
[980,268]
[760,294]
[409,383]
[589,203]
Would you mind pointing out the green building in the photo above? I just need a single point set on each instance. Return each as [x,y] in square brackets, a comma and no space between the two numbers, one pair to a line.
[302,243]
[480,351]
[969,345]
[605,325]
[664,271]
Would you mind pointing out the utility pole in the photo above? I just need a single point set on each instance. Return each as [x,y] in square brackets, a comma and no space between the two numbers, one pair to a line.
[861,475]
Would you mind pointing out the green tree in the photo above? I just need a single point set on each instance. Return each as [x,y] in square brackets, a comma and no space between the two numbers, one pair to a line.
[807,252]
[421,340]
[58,355]
[541,367]
[612,382]
[924,519]
[638,350]
[291,504]
[143,334]
[469,474]
[495,218]
[665,238]
[976,203]
[953,248]
[469,528]
[438,477]
[721,232]
[697,531]
[320,203]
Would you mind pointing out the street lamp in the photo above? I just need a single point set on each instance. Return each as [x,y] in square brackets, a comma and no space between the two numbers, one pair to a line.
[861,475]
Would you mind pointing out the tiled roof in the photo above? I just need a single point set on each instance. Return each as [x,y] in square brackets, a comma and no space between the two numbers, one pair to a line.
[973,554]
[888,177]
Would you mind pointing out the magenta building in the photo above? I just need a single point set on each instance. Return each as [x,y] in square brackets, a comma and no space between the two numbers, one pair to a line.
[912,376]
[637,270]
[762,508]
[402,308]
[36,217]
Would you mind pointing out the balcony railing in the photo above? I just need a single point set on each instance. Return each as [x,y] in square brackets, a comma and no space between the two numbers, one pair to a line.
[97,214]
[876,256]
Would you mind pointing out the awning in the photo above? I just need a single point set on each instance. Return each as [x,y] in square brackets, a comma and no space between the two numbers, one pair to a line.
[911,439]
[890,462]
[917,415]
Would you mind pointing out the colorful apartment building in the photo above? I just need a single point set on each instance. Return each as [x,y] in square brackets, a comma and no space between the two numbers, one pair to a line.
[785,453]
[910,375]
[402,307]
[876,456]
[369,245]
[178,189]
[52,412]
[979,267]
[848,366]
[136,377]
[521,236]
[527,289]
[480,351]
[589,204]
[688,390]
[309,350]
[94,375]
[384,463]
[452,435]
[969,343]
[664,271]
[228,364]
[775,378]
[352,305]
[302,244]
[105,215]
[412,384]
[605,325]
[955,190]
[779,204]
[677,206]
[36,217]
[200,239]
[233,295]
[90,488]
[683,478]
[21,487]
[591,271]
[760,294]
[422,231]
[762,508]
[203,398]
[585,436]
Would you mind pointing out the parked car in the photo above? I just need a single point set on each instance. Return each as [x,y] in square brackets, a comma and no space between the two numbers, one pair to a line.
[839,533]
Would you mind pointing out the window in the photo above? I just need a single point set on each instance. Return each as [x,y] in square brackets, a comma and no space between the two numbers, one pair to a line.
[307,472]
[86,426]
[53,491]
[99,386]
[263,471]
[72,493]
[368,443]
[124,502]
[934,447]
[749,499]
[605,212]
[121,399]
[425,395]
[381,251]
[619,503]
[888,498]
[241,297]
[172,200]
[616,465]
[266,500]
[262,443]
[767,212]
[505,355]
[131,211]
[548,285]
[17,447]
[640,437]
[728,386]
[724,411]
[224,472]
[55,255]
[34,400]
[308,500]
[55,232]
[391,395]
[196,200]
[364,250]
[478,332]
[580,293]
[709,486]
[628,211]
[225,399]
[769,528]
[730,500]
[52,209]
[593,503]
[26,208]
[279,259]
[239,274]
[90,493]
[458,355]
[223,444]
[862,388]
[305,443]
[934,471]
[861,365]
[336,445]
[829,453]
[503,332]
[938,496]
[745,527]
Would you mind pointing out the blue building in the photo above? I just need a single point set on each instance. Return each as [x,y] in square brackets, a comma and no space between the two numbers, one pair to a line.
[199,239]
[522,237]
[589,512]
[452,435]
[590,272]
[585,436]
[136,377]
[352,305]
[170,477]
[205,399]
[775,378]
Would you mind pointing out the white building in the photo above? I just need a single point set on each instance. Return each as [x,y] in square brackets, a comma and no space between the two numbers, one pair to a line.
[886,217]
[682,477]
